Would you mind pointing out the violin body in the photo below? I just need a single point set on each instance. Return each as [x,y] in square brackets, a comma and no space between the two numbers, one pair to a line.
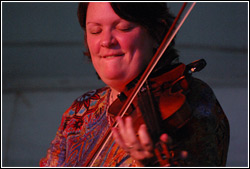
[160,104]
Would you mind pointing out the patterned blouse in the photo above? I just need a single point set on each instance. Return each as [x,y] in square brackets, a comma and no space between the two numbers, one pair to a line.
[205,138]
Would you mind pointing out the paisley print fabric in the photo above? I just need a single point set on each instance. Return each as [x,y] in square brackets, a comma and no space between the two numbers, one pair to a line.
[205,137]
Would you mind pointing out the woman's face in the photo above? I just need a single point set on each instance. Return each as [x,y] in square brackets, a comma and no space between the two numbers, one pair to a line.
[119,49]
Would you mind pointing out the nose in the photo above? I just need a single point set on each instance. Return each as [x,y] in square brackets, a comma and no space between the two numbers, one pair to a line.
[108,40]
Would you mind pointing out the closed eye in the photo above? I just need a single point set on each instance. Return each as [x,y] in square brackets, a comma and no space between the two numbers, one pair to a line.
[125,26]
[127,29]
[95,30]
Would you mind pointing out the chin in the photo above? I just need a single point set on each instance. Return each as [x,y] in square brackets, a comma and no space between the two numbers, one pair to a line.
[117,80]
[117,84]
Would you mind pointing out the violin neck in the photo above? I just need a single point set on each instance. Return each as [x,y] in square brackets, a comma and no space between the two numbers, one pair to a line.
[150,114]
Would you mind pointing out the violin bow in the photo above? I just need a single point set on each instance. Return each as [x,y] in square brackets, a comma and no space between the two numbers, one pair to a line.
[175,27]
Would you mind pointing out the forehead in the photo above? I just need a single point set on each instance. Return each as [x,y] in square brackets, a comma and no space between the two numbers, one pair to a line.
[100,11]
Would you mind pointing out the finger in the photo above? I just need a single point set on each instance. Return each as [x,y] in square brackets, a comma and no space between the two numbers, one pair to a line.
[118,138]
[164,138]
[145,139]
[165,150]
[130,136]
[121,126]
[167,165]
[184,155]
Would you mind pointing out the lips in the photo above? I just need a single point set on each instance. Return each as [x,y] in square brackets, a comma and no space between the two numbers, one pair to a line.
[111,55]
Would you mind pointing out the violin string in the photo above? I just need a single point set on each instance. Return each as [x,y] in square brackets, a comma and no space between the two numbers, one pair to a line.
[155,124]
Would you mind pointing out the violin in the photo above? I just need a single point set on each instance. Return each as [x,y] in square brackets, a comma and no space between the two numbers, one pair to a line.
[161,104]
[158,101]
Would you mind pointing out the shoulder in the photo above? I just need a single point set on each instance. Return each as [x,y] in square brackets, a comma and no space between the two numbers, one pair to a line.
[87,100]
[209,125]
[204,103]
[203,100]
[199,91]
[83,105]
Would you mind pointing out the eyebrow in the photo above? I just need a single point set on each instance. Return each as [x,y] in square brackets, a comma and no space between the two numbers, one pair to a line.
[115,22]
[95,23]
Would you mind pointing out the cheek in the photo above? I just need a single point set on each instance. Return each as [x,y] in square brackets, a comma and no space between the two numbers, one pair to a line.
[92,45]
[140,47]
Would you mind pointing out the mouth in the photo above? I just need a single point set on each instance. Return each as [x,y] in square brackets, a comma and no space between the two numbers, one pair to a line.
[112,55]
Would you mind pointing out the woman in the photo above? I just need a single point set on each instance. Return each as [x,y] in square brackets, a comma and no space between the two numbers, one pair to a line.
[121,38]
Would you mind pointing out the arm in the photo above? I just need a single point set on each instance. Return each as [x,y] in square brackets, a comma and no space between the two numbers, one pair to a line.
[57,151]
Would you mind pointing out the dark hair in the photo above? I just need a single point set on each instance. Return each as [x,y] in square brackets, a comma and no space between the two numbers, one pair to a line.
[154,17]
